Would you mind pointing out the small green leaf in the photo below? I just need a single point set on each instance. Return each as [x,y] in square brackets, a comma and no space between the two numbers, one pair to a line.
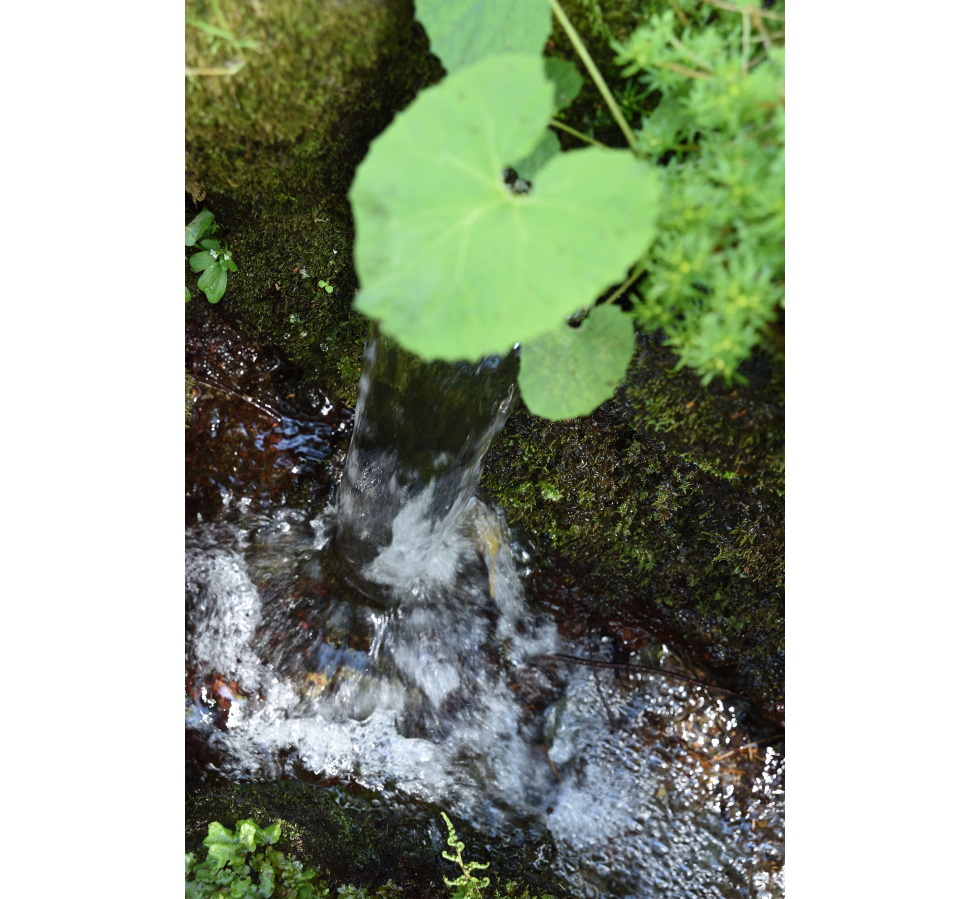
[201,260]
[230,264]
[211,275]
[569,371]
[214,292]
[214,30]
[464,31]
[222,845]
[211,244]
[202,223]
[270,834]
[246,831]
[567,80]
[188,296]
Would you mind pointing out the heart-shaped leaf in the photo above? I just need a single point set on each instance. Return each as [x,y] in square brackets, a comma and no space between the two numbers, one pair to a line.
[569,371]
[451,262]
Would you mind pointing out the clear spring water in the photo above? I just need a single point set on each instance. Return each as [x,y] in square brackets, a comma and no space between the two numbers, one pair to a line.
[442,683]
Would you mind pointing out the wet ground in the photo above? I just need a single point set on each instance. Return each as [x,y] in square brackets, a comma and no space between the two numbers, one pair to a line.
[495,693]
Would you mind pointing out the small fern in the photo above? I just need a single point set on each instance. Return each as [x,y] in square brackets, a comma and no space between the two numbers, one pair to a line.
[466,886]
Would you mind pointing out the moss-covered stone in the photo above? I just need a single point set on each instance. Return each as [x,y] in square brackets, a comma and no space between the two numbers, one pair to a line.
[384,853]
[276,298]
[670,500]
[295,119]
[272,150]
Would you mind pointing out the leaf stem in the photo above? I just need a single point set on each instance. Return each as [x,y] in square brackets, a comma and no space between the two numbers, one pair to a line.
[594,73]
[625,286]
[562,126]
[682,70]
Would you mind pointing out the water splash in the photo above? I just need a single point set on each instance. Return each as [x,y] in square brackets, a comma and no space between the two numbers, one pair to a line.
[443,683]
[421,431]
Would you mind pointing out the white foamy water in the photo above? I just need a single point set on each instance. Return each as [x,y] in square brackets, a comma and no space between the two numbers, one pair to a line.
[445,693]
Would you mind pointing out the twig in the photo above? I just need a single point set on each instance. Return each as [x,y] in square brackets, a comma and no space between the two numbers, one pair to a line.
[753,745]
[262,407]
[562,657]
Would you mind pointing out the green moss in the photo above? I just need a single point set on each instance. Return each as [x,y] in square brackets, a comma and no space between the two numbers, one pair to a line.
[670,500]
[275,297]
[273,149]
[296,118]
[190,396]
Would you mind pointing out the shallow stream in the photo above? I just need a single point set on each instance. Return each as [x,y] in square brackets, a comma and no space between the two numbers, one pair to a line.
[448,684]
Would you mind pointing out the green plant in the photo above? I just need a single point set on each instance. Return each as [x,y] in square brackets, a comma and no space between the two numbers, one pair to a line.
[243,865]
[458,258]
[715,278]
[467,885]
[213,260]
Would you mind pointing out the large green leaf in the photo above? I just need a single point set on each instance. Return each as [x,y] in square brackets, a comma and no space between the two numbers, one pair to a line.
[464,31]
[452,263]
[569,371]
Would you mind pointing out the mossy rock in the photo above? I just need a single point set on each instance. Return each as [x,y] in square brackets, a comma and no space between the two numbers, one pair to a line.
[669,502]
[338,832]
[275,297]
[326,77]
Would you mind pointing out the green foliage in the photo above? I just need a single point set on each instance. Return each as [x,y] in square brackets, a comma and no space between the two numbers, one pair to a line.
[716,275]
[467,885]
[213,260]
[464,31]
[243,865]
[434,213]
[447,254]
[455,265]
[569,371]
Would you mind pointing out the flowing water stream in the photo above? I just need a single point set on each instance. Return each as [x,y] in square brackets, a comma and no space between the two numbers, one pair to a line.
[387,640]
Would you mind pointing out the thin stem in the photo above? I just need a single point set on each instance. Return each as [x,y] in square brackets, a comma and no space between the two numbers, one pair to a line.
[745,41]
[625,286]
[680,13]
[562,126]
[683,70]
[687,52]
[594,73]
[761,12]
[229,70]
[262,407]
